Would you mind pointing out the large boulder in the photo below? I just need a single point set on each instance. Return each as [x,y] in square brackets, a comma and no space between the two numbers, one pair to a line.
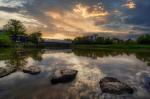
[114,86]
[32,70]
[63,76]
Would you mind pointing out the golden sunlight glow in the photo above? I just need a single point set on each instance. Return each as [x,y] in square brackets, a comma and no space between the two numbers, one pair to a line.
[72,22]
[88,12]
[80,21]
[59,36]
[130,4]
[54,14]
[62,20]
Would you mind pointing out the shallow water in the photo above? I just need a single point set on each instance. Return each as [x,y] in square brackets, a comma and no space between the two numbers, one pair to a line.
[130,67]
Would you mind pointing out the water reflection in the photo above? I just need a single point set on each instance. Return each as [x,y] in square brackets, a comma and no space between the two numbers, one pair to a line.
[16,59]
[130,67]
[143,55]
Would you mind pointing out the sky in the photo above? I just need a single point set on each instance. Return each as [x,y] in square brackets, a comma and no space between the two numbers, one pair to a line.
[67,19]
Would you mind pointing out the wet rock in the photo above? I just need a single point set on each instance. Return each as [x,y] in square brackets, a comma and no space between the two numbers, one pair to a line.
[5,71]
[32,70]
[114,86]
[63,76]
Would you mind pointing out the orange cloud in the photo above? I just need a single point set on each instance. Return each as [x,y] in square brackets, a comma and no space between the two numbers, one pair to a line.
[72,22]
[130,4]
[88,12]
[80,21]
[59,35]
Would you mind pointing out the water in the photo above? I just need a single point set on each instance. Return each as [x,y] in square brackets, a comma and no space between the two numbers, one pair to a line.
[130,67]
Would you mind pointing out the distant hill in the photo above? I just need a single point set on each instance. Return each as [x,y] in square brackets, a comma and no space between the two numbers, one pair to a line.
[57,41]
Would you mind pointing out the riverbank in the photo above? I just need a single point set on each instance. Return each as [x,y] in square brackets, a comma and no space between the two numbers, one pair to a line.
[114,46]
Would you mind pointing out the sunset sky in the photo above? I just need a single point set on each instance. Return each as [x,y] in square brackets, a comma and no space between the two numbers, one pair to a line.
[62,19]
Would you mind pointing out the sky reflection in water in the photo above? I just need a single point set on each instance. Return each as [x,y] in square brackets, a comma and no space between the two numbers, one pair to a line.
[92,66]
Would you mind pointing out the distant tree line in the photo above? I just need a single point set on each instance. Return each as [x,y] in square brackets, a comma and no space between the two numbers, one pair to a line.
[15,34]
[143,39]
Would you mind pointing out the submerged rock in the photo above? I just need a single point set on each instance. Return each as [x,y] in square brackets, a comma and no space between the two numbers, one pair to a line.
[114,86]
[63,76]
[32,70]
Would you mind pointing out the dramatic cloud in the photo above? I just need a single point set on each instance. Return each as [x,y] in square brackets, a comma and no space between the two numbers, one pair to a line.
[130,4]
[27,20]
[93,11]
[12,3]
[63,19]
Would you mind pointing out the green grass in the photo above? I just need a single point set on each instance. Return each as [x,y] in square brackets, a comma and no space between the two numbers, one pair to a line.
[5,53]
[5,39]
[114,46]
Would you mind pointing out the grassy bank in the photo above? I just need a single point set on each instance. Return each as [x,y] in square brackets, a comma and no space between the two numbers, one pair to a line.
[5,40]
[114,46]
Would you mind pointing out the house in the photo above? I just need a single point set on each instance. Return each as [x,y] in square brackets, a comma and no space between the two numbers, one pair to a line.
[19,38]
[92,37]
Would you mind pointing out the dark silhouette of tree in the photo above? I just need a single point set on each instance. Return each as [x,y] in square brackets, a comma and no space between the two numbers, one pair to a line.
[144,39]
[14,27]
[82,40]
[35,37]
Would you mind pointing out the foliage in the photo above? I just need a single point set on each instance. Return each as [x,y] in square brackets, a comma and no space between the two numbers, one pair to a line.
[35,37]
[15,31]
[82,40]
[98,40]
[14,27]
[5,40]
[15,35]
[144,39]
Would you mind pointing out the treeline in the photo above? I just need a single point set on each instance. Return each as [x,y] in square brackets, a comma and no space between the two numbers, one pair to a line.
[144,39]
[14,34]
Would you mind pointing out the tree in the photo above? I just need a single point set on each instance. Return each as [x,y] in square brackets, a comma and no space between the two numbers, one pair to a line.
[14,27]
[35,37]
[108,41]
[144,39]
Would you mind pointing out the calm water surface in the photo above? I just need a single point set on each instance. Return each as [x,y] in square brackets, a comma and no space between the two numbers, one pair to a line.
[130,67]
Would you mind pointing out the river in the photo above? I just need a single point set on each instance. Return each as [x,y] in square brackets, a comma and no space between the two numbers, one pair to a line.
[130,67]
